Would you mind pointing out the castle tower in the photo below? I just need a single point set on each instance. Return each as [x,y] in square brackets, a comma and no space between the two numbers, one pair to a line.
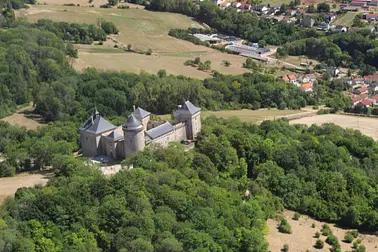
[191,116]
[133,132]
[143,116]
[91,132]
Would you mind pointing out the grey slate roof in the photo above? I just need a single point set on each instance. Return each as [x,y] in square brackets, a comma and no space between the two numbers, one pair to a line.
[97,124]
[115,135]
[160,130]
[141,113]
[132,123]
[187,107]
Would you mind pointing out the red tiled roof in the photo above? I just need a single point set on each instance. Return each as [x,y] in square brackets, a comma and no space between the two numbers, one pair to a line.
[292,77]
[366,102]
[285,78]
[369,77]
[306,86]
[375,97]
[358,79]
[356,99]
[362,89]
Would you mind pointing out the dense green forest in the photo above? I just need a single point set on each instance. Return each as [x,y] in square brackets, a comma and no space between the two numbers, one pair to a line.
[355,49]
[193,201]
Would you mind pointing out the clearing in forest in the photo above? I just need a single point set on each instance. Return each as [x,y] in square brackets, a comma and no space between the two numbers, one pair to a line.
[9,186]
[255,116]
[24,117]
[302,236]
[366,125]
[143,30]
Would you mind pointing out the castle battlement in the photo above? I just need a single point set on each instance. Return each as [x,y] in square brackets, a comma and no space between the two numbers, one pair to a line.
[100,137]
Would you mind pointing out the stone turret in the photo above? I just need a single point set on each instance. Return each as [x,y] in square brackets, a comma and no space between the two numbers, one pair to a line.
[133,132]
[190,115]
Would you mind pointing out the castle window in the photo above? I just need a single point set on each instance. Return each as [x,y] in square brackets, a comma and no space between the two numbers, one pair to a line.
[86,138]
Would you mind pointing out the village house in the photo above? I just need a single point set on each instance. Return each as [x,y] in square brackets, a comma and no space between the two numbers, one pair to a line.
[333,71]
[100,137]
[373,87]
[290,78]
[307,21]
[361,90]
[307,87]
[367,103]
[340,29]
[371,78]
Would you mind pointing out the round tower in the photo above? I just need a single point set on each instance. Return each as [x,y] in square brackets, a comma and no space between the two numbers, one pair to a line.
[133,132]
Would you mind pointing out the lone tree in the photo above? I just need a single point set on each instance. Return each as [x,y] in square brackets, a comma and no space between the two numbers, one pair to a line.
[226,63]
[129,47]
[197,60]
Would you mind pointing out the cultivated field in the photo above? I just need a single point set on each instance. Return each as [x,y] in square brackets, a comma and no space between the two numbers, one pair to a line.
[367,126]
[9,186]
[25,117]
[255,116]
[143,30]
[302,236]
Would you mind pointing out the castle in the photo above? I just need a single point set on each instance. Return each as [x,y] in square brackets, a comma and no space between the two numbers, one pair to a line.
[100,137]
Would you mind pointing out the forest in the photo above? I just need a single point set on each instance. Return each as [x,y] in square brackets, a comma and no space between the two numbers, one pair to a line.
[193,201]
[354,49]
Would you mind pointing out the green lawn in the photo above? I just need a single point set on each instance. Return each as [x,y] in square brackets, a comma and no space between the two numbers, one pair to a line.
[346,19]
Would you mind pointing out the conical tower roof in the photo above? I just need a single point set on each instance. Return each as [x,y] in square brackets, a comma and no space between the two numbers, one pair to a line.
[132,123]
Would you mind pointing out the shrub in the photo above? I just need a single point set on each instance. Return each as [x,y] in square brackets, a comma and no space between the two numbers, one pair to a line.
[359,241]
[355,245]
[354,233]
[296,216]
[313,225]
[319,244]
[149,51]
[332,240]
[326,231]
[285,248]
[361,248]
[284,227]
[226,63]
[317,235]
[348,238]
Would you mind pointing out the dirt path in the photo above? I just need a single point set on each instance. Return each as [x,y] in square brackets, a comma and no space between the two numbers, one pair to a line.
[9,186]
[25,117]
[302,236]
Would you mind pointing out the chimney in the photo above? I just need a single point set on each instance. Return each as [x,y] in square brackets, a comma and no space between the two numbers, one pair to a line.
[133,107]
[179,106]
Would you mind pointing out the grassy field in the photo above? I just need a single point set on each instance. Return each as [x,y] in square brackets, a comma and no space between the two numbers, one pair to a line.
[302,237]
[367,126]
[9,186]
[346,19]
[143,30]
[253,116]
[25,117]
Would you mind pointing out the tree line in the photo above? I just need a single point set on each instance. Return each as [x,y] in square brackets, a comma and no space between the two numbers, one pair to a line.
[354,49]
[78,33]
